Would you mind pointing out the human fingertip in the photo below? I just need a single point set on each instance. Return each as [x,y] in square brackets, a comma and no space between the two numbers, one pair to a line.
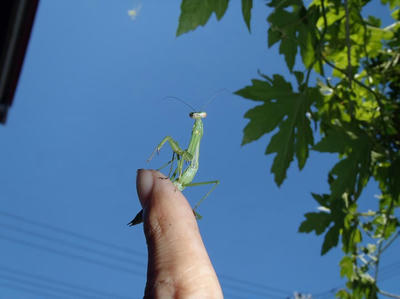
[144,184]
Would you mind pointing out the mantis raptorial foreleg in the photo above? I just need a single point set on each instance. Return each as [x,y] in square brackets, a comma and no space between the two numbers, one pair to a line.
[175,148]
[170,162]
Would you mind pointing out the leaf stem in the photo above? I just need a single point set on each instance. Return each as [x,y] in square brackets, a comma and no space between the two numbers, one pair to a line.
[380,249]
[348,42]
[355,80]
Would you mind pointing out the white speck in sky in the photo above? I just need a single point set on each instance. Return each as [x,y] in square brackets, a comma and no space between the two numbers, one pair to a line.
[134,12]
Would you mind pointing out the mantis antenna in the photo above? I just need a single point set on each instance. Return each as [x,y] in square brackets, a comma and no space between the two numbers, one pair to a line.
[213,97]
[182,101]
[202,107]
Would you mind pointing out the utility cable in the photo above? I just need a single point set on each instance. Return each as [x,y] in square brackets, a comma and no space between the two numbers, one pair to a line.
[53,281]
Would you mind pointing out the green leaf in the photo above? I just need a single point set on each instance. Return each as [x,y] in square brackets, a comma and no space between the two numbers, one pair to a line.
[299,77]
[284,22]
[264,118]
[373,21]
[317,222]
[219,7]
[282,144]
[196,13]
[307,48]
[396,14]
[288,48]
[347,267]
[284,3]
[394,180]
[350,238]
[343,294]
[305,138]
[321,199]
[335,141]
[273,37]
[277,88]
[246,10]
[346,174]
[392,3]
[285,109]
[353,172]
[331,239]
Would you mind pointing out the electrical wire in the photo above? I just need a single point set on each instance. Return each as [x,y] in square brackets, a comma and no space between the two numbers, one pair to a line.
[248,291]
[71,245]
[63,231]
[255,284]
[31,291]
[387,272]
[71,255]
[239,284]
[47,287]
[390,271]
[52,281]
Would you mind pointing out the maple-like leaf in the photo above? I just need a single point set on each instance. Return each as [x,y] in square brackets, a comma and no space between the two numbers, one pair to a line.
[284,108]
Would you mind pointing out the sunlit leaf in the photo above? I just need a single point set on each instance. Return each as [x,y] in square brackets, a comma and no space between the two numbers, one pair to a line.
[346,267]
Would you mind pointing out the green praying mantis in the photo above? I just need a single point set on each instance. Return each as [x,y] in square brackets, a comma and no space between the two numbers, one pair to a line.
[181,177]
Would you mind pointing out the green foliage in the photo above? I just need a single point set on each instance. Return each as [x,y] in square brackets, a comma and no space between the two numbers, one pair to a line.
[283,108]
[196,13]
[246,10]
[293,29]
[354,101]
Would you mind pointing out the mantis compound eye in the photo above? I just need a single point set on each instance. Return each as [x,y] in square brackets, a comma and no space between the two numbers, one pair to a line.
[198,115]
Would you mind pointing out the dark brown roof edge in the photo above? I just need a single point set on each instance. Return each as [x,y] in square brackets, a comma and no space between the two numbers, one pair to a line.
[14,41]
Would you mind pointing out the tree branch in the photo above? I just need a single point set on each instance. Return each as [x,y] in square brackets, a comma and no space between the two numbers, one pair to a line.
[378,255]
[348,42]
[389,294]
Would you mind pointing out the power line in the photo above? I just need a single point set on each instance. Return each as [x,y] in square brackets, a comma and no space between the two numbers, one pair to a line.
[248,291]
[255,285]
[71,245]
[70,233]
[70,255]
[62,291]
[389,269]
[229,295]
[330,293]
[387,272]
[61,283]
[90,260]
[31,291]
[247,284]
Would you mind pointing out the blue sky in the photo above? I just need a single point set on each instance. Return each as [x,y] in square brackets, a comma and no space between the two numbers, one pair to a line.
[88,113]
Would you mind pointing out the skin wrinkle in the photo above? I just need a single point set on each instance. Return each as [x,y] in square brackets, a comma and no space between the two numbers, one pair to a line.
[183,278]
[182,288]
[178,265]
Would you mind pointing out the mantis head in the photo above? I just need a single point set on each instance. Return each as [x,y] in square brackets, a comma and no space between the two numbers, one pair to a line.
[197,115]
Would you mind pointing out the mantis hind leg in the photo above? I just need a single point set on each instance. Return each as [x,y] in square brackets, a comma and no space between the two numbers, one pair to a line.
[215,183]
